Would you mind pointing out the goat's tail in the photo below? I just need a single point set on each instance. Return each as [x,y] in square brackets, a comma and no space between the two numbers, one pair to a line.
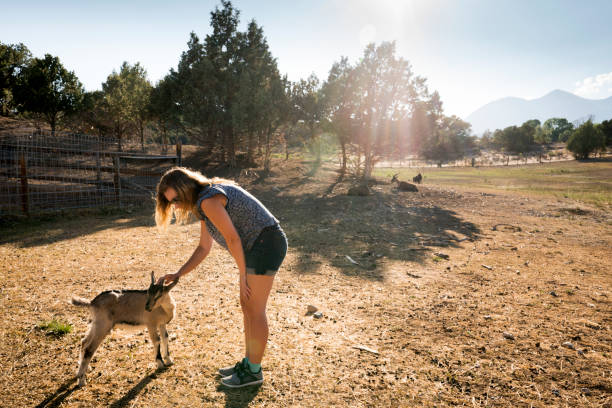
[78,301]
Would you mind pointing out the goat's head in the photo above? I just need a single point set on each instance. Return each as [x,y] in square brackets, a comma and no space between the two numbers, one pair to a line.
[394,178]
[155,292]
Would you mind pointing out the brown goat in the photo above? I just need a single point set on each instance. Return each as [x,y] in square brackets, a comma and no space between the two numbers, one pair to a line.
[153,308]
[402,185]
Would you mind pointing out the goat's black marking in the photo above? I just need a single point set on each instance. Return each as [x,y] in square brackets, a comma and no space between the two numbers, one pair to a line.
[119,292]
[128,323]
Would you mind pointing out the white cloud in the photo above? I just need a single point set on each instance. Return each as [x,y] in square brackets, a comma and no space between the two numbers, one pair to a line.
[595,87]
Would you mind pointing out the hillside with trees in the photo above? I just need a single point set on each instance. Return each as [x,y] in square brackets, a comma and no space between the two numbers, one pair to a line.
[227,96]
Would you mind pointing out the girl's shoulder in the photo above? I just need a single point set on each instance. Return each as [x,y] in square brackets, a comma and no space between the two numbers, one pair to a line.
[212,190]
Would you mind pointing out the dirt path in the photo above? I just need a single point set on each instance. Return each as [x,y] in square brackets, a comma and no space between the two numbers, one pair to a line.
[518,315]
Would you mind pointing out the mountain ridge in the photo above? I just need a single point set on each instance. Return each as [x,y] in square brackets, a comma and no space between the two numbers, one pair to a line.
[512,110]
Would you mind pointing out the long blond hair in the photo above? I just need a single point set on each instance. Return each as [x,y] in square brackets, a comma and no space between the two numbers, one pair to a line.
[188,184]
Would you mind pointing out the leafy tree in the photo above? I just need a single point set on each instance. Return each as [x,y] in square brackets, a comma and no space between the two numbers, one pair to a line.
[126,100]
[47,88]
[13,60]
[91,115]
[514,139]
[606,128]
[163,109]
[387,92]
[556,129]
[450,140]
[140,95]
[534,123]
[339,95]
[486,140]
[585,140]
[422,125]
[310,107]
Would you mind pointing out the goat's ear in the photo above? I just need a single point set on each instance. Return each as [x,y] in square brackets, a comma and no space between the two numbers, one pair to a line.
[173,284]
[152,277]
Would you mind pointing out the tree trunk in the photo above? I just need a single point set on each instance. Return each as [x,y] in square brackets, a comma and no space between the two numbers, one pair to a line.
[267,150]
[250,146]
[119,137]
[343,164]
[52,123]
[141,131]
[230,147]
[286,146]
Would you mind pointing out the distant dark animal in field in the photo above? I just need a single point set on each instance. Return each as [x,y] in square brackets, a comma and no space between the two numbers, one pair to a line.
[361,190]
[418,178]
[402,185]
[153,308]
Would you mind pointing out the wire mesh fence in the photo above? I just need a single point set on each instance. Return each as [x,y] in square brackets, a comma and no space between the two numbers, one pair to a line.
[43,171]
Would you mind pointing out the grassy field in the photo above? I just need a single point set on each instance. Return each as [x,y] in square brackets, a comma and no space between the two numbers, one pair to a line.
[589,182]
[468,293]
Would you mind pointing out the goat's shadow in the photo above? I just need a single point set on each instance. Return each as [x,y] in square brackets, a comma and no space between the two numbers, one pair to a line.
[239,397]
[133,393]
[56,399]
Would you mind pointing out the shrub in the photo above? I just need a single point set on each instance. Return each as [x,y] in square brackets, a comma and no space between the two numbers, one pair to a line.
[585,140]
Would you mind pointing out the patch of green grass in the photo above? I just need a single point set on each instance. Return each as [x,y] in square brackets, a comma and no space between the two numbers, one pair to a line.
[589,182]
[55,328]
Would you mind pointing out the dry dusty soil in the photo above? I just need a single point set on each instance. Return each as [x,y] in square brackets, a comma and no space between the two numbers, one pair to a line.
[445,297]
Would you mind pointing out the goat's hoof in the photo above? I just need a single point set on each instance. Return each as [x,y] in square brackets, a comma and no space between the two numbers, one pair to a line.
[82,382]
[169,362]
[160,364]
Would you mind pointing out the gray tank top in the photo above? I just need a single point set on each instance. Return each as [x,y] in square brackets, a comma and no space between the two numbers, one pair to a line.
[247,213]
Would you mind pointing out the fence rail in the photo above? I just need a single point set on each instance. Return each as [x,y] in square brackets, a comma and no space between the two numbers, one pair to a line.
[41,172]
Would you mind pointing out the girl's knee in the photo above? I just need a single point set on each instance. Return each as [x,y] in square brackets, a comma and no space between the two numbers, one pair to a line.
[254,310]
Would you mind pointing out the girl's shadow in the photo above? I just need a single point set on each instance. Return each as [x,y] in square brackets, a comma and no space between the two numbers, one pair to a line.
[239,398]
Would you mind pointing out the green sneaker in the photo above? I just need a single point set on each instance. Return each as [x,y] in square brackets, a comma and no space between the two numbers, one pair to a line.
[242,377]
[229,370]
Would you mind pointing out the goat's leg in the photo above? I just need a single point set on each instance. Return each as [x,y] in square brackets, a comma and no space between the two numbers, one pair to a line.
[89,345]
[164,349]
[156,346]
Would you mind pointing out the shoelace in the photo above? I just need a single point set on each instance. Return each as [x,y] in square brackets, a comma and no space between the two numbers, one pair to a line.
[242,371]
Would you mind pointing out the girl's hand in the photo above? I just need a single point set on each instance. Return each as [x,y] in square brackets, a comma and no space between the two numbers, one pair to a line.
[245,291]
[168,278]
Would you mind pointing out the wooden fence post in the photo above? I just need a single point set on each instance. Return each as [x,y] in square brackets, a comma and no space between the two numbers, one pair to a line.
[98,174]
[117,179]
[179,149]
[23,174]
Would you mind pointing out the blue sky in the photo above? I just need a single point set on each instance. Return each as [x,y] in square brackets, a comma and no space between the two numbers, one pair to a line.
[471,51]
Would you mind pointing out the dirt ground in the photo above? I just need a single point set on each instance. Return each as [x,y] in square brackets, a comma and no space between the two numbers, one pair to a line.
[518,315]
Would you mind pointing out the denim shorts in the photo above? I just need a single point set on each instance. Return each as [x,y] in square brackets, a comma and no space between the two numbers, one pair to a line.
[267,253]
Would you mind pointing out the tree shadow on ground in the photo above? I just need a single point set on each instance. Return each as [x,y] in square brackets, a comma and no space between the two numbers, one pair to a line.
[358,235]
[331,187]
[50,229]
[133,393]
[58,397]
